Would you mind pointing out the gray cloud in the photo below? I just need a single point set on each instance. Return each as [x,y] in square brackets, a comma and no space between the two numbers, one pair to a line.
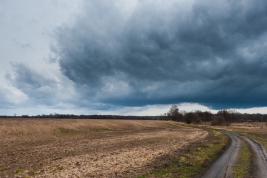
[213,53]
[4,101]
[41,87]
[34,85]
[22,45]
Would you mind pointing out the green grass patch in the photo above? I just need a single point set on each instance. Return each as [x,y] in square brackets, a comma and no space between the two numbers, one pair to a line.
[17,171]
[244,165]
[194,161]
[3,168]
[58,167]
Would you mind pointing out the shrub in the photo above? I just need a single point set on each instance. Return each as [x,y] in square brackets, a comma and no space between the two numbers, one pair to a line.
[190,117]
[219,120]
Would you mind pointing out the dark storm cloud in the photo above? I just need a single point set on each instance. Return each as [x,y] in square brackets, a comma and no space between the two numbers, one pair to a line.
[213,53]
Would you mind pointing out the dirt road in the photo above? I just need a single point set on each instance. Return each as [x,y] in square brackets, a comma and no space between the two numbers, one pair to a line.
[223,166]
[260,157]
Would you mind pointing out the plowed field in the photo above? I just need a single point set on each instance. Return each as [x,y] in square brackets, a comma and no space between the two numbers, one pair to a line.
[89,148]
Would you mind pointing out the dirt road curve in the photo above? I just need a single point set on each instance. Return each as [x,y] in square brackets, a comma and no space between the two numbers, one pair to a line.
[260,157]
[223,166]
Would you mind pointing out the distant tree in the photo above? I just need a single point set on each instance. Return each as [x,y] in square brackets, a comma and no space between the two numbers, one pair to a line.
[174,110]
[199,114]
[225,115]
[174,113]
[218,120]
[207,116]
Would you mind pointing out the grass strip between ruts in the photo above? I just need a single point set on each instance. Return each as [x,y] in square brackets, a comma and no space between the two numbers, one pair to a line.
[193,162]
[244,165]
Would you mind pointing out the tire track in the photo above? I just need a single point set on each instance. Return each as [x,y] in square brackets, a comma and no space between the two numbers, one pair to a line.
[260,157]
[223,166]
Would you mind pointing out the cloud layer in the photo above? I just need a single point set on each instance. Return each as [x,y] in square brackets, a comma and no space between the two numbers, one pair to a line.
[158,52]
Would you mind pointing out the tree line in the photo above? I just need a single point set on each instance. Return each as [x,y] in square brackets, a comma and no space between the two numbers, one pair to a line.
[222,117]
[95,116]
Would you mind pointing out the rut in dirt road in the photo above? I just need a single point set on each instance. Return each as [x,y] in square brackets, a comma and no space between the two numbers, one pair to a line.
[223,166]
[260,157]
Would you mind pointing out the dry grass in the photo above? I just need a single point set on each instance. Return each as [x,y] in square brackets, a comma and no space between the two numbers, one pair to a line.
[193,161]
[88,148]
[255,130]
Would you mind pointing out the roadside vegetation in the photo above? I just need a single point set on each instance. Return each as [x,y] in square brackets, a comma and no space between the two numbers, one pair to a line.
[259,135]
[194,161]
[221,118]
[256,131]
[244,165]
[251,125]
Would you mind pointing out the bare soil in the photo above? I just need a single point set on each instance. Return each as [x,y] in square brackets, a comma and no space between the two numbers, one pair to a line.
[88,148]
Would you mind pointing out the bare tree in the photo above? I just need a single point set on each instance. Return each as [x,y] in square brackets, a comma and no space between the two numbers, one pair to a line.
[174,113]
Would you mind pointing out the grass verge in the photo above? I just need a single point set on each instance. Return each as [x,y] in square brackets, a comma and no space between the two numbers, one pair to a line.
[260,137]
[244,165]
[257,134]
[194,161]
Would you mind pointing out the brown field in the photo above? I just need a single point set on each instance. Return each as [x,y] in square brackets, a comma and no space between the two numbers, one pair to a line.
[89,148]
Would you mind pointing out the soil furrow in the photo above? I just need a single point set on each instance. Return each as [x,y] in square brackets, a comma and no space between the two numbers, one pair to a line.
[88,148]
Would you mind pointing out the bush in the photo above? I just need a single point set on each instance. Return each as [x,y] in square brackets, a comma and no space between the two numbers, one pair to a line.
[190,117]
[219,120]
[198,121]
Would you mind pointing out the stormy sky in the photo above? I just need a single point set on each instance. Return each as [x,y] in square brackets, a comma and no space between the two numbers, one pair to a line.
[132,57]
